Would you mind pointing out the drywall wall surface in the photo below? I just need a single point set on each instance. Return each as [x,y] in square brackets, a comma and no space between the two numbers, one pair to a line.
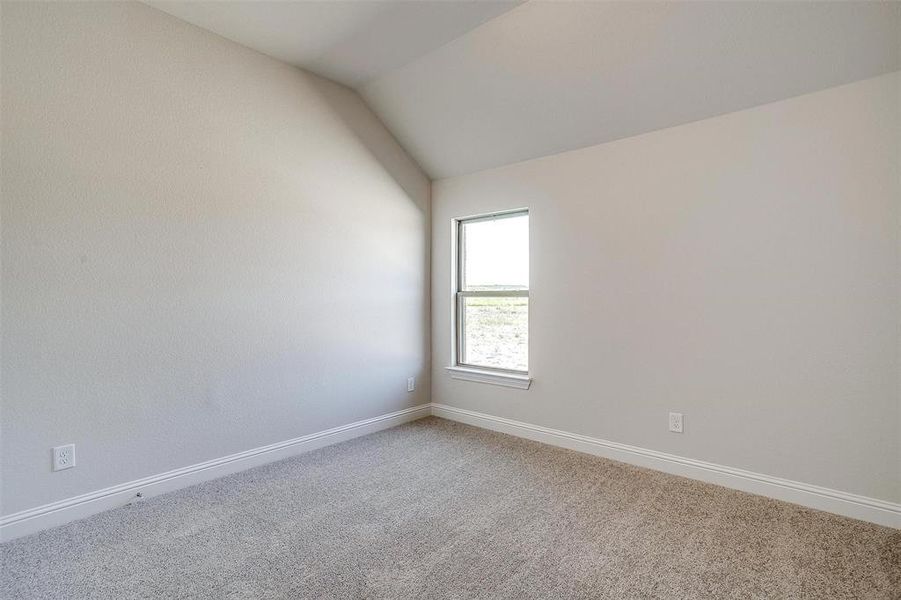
[203,251]
[742,270]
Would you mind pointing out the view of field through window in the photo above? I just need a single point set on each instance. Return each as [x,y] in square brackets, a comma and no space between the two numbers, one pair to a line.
[494,310]
[496,332]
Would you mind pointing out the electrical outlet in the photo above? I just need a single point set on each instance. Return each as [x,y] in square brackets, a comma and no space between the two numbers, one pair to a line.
[411,384]
[675,422]
[64,457]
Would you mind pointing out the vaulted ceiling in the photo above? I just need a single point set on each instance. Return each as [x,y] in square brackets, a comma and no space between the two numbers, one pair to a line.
[467,86]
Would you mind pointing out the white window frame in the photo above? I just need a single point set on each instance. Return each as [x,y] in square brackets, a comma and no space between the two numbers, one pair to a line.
[459,369]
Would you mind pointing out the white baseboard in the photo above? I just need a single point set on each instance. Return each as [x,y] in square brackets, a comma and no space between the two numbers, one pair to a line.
[812,496]
[841,503]
[79,507]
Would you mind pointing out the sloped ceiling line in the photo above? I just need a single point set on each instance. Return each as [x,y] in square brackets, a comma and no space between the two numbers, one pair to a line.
[466,86]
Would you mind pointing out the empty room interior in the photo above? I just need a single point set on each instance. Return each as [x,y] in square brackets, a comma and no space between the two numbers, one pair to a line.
[450,299]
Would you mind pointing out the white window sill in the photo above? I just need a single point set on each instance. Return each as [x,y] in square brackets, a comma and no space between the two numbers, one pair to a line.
[512,380]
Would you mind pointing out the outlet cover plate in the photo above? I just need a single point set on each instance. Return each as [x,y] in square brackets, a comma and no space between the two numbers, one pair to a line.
[675,422]
[64,457]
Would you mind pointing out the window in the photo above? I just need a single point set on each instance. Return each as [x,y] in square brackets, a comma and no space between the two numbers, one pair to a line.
[492,293]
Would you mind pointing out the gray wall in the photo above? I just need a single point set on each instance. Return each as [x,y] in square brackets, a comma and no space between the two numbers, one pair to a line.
[743,270]
[203,250]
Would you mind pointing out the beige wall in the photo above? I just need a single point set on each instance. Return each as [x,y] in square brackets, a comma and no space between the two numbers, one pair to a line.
[203,250]
[743,270]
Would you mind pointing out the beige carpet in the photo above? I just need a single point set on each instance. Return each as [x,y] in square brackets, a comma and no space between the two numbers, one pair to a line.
[435,509]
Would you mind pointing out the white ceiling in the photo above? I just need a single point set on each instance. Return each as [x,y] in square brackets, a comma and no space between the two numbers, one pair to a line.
[467,86]
[349,41]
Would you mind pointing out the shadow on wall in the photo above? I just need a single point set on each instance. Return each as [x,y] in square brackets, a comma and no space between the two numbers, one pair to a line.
[363,125]
[379,142]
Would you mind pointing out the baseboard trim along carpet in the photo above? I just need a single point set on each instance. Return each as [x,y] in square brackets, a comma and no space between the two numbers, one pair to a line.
[812,496]
[79,507]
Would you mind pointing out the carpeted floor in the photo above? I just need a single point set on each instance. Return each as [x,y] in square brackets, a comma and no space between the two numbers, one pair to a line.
[435,509]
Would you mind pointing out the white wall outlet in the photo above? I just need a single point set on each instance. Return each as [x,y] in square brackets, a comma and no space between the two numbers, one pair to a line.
[411,384]
[675,422]
[64,457]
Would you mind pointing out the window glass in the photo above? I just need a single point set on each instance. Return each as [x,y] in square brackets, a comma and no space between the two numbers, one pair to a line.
[493,292]
[496,332]
[496,254]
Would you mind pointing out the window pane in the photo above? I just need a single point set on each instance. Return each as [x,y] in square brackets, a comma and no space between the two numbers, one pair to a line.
[496,254]
[496,332]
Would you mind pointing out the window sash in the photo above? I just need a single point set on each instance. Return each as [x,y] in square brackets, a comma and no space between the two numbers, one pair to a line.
[460,338]
[493,293]
[461,241]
